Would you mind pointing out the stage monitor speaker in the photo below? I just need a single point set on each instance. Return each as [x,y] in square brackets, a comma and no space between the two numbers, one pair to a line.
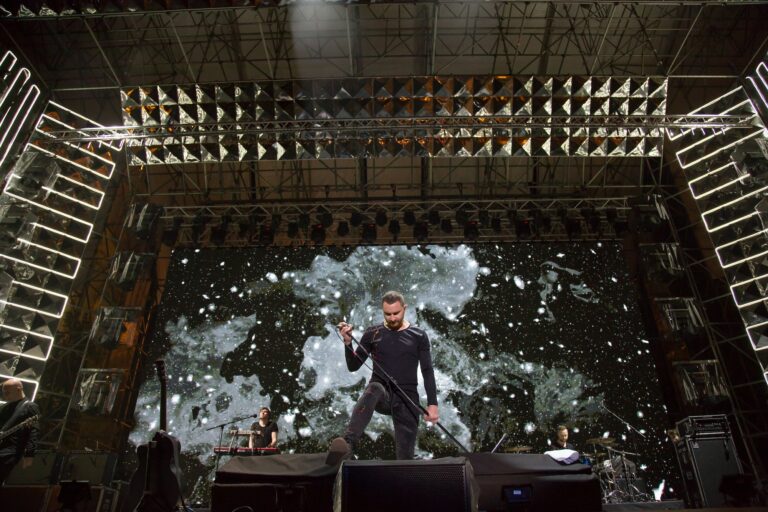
[533,483]
[704,461]
[97,468]
[444,484]
[43,471]
[259,498]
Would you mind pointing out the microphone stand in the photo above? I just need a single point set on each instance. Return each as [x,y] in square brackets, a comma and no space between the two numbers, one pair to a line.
[629,478]
[221,434]
[394,385]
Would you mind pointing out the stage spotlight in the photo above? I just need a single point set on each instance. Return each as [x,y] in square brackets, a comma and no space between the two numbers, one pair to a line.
[496,225]
[198,224]
[523,228]
[620,226]
[542,224]
[317,235]
[484,217]
[219,234]
[434,217]
[266,234]
[369,232]
[421,231]
[572,227]
[142,219]
[471,230]
[326,219]
[293,229]
[171,232]
[381,218]
[256,218]
[461,216]
[355,219]
[343,228]
[592,219]
[409,218]
[446,226]
[304,220]
[394,227]
[243,229]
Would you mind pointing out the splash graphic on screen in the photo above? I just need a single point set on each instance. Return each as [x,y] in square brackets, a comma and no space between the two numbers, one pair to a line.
[524,337]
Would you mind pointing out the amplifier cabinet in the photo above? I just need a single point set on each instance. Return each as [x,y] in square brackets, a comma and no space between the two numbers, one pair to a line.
[704,461]
[698,426]
[43,471]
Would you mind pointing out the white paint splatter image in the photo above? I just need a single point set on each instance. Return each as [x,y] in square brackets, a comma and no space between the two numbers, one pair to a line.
[264,334]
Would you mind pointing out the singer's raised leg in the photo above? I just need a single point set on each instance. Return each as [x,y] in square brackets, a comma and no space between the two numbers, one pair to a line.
[363,412]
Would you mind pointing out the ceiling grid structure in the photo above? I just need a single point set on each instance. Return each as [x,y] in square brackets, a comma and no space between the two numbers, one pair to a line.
[86,57]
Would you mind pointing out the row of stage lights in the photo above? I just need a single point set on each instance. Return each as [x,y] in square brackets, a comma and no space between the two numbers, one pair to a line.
[387,226]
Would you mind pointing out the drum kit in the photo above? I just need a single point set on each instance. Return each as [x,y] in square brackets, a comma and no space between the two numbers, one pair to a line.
[616,471]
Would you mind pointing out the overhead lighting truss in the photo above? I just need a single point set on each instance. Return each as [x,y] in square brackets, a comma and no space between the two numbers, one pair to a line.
[416,221]
[48,207]
[727,173]
[432,116]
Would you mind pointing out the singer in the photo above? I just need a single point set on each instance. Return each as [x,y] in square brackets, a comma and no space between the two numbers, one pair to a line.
[397,348]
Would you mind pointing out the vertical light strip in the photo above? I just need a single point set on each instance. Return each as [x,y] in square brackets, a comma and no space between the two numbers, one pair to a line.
[63,197]
[746,240]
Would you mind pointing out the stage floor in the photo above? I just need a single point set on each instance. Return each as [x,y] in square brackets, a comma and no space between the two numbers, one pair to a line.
[671,505]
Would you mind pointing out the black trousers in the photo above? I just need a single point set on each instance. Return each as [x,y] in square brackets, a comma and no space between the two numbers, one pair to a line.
[405,417]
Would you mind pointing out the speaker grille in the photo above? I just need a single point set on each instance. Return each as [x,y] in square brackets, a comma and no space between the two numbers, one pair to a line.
[405,487]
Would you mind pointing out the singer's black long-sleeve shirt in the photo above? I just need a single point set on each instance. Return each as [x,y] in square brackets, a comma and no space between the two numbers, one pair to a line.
[398,353]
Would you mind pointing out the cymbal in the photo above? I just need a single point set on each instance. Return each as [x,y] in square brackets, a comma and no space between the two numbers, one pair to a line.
[601,440]
[519,449]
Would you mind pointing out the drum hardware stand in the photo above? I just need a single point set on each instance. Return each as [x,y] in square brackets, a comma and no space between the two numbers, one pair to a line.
[632,493]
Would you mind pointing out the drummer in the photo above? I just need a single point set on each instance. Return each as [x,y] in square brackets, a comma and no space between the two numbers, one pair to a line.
[264,431]
[560,441]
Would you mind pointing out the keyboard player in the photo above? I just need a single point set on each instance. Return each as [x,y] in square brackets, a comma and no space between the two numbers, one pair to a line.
[263,431]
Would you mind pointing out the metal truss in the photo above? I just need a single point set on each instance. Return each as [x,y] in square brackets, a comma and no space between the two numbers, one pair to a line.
[542,219]
[332,40]
[319,129]
[725,172]
[388,179]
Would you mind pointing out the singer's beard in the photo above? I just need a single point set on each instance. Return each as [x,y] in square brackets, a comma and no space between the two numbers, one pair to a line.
[393,326]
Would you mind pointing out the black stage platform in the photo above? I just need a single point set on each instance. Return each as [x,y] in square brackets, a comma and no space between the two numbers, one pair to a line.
[483,481]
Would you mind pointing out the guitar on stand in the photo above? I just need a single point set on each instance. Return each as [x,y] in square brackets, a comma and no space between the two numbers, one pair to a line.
[156,484]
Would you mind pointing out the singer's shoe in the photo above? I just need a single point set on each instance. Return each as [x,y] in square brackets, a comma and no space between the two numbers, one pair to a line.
[338,451]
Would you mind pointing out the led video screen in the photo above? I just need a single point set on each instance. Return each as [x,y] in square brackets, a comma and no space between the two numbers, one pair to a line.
[524,337]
